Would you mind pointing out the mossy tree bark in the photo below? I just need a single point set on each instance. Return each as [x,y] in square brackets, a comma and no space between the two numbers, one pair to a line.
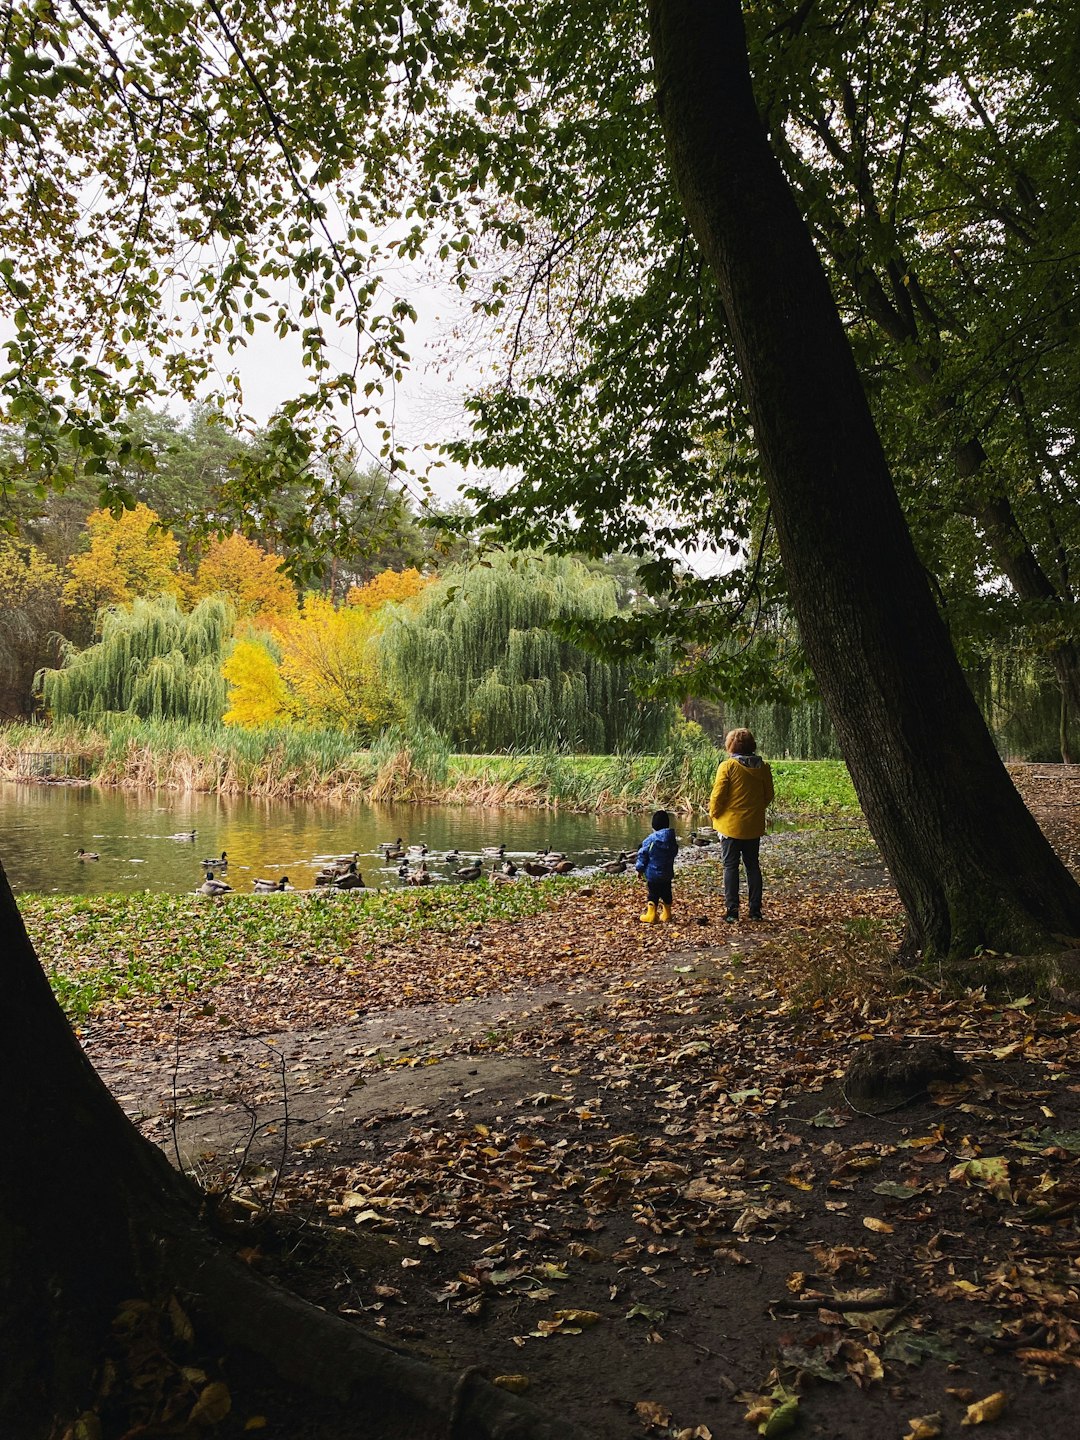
[92,1214]
[971,865]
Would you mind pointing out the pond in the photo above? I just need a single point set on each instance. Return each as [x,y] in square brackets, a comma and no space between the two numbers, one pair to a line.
[143,837]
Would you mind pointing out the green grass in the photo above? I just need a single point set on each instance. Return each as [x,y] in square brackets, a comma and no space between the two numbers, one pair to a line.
[105,949]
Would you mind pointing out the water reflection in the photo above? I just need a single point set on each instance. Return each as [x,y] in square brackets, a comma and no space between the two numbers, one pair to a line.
[145,840]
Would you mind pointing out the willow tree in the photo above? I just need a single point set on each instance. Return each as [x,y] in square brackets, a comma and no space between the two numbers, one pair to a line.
[484,659]
[152,660]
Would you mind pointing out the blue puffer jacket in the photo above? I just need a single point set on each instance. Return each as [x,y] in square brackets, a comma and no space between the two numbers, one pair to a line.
[656,858]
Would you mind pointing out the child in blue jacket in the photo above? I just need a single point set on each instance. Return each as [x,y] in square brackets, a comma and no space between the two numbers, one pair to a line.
[656,864]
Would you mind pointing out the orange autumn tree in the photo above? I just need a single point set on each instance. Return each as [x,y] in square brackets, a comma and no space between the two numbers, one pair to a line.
[390,587]
[130,556]
[252,579]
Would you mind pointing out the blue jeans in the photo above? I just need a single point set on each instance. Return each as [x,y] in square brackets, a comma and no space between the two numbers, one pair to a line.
[747,850]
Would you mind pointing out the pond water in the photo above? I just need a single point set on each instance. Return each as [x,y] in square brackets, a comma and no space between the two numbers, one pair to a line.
[138,835]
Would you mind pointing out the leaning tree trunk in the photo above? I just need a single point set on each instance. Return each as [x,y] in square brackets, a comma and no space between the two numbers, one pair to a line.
[970,864]
[92,1214]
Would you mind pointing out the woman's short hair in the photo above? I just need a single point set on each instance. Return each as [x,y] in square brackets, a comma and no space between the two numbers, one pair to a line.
[739,742]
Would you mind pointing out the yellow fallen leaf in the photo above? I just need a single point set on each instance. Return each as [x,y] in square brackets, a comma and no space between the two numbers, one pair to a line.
[578,1317]
[255,1422]
[651,1413]
[879,1227]
[984,1411]
[924,1427]
[516,1384]
[213,1405]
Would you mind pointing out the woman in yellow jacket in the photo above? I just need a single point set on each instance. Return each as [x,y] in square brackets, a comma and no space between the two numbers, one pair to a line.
[740,793]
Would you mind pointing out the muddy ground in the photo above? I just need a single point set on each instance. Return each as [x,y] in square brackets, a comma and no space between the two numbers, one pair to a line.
[615,1166]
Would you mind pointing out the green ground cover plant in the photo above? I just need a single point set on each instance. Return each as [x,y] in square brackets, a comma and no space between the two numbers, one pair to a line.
[104,949]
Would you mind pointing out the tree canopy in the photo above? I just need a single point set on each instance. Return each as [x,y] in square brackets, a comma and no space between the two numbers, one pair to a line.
[516,148]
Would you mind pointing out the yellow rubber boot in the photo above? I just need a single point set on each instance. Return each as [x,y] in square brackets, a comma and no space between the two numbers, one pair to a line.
[663,912]
[648,915]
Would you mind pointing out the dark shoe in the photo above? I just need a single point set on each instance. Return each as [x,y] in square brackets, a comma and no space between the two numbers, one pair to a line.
[732,917]
[756,915]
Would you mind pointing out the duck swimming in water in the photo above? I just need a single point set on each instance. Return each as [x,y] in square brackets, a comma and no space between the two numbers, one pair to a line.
[222,864]
[81,854]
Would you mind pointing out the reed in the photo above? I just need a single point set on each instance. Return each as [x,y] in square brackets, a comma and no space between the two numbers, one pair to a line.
[281,762]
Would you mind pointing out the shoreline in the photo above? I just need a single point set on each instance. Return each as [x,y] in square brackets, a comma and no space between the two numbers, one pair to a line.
[284,764]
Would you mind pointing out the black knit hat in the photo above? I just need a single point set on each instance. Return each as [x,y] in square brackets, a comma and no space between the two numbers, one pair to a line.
[661,820]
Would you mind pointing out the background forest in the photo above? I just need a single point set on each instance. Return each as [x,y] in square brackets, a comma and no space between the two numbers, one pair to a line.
[158,612]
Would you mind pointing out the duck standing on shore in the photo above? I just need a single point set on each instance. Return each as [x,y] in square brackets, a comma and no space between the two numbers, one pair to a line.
[210,886]
[268,887]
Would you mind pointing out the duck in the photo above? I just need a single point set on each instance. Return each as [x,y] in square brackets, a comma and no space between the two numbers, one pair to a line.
[561,867]
[418,877]
[509,869]
[614,867]
[82,854]
[452,857]
[334,869]
[499,877]
[267,887]
[536,867]
[222,864]
[703,837]
[468,872]
[210,886]
[415,851]
[184,835]
[349,880]
[393,850]
[551,856]
[497,850]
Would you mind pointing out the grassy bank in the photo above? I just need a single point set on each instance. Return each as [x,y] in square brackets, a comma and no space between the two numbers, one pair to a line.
[107,949]
[289,763]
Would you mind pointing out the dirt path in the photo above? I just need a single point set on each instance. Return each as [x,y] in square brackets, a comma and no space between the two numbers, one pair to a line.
[630,1177]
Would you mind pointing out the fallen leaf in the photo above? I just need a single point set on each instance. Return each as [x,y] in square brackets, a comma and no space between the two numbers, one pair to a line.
[516,1384]
[924,1427]
[984,1411]
[781,1420]
[651,1414]
[213,1405]
[879,1227]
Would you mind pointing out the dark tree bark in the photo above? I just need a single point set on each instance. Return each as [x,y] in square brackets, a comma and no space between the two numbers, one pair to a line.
[970,864]
[92,1214]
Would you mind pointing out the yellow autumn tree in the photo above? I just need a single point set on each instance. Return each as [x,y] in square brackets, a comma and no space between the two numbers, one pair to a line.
[129,557]
[388,587]
[252,579]
[330,662]
[258,694]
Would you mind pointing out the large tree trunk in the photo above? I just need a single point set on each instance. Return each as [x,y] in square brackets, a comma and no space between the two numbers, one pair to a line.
[970,864]
[91,1214]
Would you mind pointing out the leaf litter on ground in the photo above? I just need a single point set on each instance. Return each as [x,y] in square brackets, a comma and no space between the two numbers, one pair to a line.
[689,1164]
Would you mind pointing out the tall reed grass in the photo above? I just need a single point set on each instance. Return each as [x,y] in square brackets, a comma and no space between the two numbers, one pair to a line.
[280,762]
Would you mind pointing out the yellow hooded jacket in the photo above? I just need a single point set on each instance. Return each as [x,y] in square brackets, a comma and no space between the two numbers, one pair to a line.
[740,793]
